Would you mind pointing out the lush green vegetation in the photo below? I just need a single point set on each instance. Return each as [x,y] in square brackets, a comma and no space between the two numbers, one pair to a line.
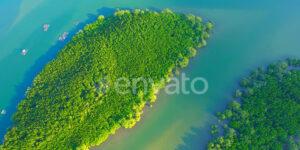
[267,115]
[72,103]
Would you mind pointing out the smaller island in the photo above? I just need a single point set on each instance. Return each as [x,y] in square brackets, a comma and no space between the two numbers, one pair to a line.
[265,113]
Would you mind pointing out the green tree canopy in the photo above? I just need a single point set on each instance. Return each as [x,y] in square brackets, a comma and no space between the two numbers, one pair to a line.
[72,103]
[268,115]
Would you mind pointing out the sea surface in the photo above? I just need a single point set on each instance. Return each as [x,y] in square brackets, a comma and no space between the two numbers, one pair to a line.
[247,34]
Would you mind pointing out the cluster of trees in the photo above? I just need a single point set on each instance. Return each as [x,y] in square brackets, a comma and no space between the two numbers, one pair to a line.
[265,113]
[71,103]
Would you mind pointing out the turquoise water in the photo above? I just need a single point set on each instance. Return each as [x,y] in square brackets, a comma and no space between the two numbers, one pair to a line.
[247,35]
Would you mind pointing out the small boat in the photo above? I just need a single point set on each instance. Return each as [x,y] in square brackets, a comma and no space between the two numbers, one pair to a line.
[24,52]
[46,27]
[63,36]
[3,112]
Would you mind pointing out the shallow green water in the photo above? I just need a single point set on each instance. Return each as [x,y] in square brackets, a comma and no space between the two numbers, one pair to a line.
[247,34]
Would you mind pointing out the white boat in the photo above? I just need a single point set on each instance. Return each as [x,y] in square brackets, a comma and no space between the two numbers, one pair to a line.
[63,36]
[3,112]
[46,27]
[24,52]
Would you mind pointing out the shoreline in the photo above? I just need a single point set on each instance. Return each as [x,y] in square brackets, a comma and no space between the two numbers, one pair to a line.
[126,131]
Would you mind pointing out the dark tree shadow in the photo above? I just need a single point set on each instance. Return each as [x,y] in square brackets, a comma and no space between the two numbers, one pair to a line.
[6,120]
[196,138]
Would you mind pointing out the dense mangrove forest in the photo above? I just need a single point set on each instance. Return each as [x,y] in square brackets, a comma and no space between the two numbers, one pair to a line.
[265,113]
[73,103]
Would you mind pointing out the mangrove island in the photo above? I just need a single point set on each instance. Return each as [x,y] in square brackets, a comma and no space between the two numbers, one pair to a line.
[265,113]
[72,103]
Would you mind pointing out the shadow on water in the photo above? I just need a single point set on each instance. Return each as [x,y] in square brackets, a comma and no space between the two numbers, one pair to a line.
[196,138]
[6,121]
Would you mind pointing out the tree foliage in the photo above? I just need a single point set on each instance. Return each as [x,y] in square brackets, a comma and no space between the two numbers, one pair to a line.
[268,116]
[72,103]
